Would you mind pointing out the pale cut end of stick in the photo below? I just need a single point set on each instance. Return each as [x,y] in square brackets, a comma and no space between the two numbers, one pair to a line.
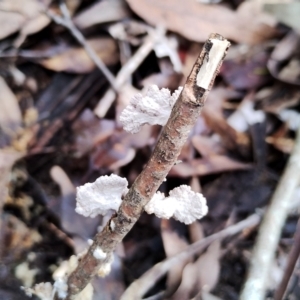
[216,47]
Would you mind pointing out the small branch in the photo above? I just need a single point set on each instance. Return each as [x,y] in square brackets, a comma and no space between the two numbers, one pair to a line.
[130,66]
[293,257]
[182,119]
[67,22]
[142,285]
[271,227]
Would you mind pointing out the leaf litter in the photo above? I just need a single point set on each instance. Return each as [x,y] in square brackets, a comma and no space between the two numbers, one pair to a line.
[52,138]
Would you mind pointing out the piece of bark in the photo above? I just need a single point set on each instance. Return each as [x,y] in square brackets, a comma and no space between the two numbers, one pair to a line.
[183,117]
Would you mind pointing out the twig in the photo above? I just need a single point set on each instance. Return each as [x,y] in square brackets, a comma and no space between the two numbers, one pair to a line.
[140,286]
[270,230]
[182,119]
[130,66]
[67,22]
[293,257]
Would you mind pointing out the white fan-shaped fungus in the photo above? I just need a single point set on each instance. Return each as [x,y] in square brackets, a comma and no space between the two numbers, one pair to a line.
[182,204]
[101,196]
[153,108]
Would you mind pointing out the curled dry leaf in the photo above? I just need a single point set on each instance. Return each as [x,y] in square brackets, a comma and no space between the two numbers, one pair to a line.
[196,21]
[208,165]
[76,60]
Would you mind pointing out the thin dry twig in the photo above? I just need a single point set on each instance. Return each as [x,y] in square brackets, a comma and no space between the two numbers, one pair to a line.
[182,119]
[271,227]
[142,285]
[67,22]
[293,257]
[129,67]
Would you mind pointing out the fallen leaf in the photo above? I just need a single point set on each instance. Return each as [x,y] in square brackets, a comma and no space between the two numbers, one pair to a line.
[200,275]
[76,60]
[196,21]
[173,244]
[246,72]
[208,266]
[208,165]
[207,146]
[7,159]
[284,145]
[100,12]
[10,113]
[89,131]
[15,16]
[71,221]
[285,50]
[32,26]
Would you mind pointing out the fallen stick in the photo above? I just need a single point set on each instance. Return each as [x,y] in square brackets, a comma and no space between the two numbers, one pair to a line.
[271,227]
[174,134]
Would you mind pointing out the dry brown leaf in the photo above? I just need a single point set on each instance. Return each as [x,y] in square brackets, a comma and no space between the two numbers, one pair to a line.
[10,22]
[173,244]
[196,21]
[208,267]
[208,165]
[196,232]
[283,51]
[10,113]
[206,146]
[32,26]
[200,275]
[285,145]
[7,159]
[188,283]
[102,11]
[14,16]
[16,237]
[71,221]
[76,60]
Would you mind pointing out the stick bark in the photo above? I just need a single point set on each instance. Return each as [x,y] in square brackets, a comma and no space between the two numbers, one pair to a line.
[182,119]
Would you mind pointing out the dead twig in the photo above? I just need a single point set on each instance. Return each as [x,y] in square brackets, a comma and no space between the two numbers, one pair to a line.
[271,227]
[293,257]
[129,67]
[142,285]
[174,134]
[67,22]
